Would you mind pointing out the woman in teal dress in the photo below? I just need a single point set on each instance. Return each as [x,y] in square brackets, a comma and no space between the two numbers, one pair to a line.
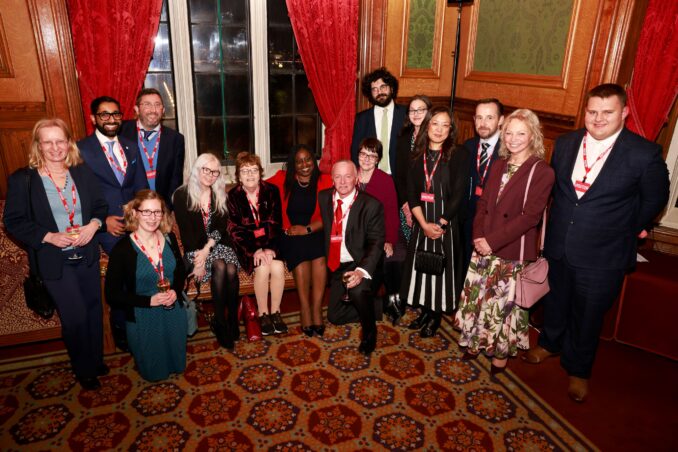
[145,275]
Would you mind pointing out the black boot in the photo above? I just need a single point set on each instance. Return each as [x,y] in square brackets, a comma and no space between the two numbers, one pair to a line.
[224,337]
[120,338]
[420,321]
[393,309]
[431,326]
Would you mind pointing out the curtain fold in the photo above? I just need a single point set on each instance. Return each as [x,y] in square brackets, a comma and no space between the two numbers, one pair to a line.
[654,84]
[113,41]
[327,37]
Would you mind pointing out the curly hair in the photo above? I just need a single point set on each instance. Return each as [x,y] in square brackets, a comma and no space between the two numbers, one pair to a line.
[131,221]
[35,158]
[532,122]
[381,73]
[244,158]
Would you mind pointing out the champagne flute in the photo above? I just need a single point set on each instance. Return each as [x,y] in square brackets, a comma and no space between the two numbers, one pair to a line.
[345,279]
[74,232]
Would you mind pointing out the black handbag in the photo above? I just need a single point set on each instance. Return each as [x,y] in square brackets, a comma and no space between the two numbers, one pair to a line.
[38,299]
[429,262]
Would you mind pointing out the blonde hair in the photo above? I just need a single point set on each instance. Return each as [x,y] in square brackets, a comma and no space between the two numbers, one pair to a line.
[131,222]
[244,158]
[35,158]
[531,120]
[193,185]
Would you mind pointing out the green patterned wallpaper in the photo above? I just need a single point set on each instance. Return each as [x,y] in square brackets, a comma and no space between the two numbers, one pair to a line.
[420,34]
[522,36]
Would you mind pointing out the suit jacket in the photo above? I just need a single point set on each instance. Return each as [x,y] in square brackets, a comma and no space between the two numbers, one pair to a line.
[363,127]
[242,225]
[600,229]
[116,195]
[471,146]
[30,232]
[191,226]
[364,230]
[502,220]
[170,159]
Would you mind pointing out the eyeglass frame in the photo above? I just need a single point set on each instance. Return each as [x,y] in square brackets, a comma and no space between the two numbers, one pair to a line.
[106,115]
[208,172]
[148,212]
[417,111]
[366,155]
[249,171]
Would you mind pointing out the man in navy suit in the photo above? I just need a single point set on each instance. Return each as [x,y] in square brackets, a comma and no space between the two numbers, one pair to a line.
[384,120]
[484,150]
[610,185]
[162,148]
[116,163]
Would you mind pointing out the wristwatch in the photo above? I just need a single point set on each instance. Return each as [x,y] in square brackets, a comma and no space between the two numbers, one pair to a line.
[442,225]
[308,230]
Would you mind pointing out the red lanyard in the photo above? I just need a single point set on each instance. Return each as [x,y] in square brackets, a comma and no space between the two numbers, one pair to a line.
[429,179]
[71,213]
[487,165]
[160,269]
[206,214]
[113,161]
[335,224]
[143,147]
[255,210]
[587,168]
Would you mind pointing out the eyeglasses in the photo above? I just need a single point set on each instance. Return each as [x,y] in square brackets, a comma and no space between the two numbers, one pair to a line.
[367,155]
[382,88]
[149,105]
[148,213]
[106,115]
[249,172]
[208,172]
[417,111]
[52,144]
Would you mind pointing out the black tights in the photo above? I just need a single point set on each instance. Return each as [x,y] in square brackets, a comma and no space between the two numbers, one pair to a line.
[224,274]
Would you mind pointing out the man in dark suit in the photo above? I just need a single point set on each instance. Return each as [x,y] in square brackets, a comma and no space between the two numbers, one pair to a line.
[116,163]
[383,120]
[353,222]
[162,148]
[610,185]
[484,150]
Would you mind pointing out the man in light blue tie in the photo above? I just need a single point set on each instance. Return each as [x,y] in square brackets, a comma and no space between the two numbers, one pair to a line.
[117,164]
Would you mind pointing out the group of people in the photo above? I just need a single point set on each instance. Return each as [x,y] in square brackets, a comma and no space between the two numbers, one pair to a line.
[442,228]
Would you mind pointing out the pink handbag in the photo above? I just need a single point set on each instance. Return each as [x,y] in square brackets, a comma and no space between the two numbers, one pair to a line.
[532,281]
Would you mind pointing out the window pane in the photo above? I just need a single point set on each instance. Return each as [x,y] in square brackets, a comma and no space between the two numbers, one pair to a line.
[280,94]
[164,83]
[163,12]
[307,127]
[211,137]
[205,40]
[280,54]
[206,11]
[161,59]
[281,137]
[305,102]
[235,46]
[277,12]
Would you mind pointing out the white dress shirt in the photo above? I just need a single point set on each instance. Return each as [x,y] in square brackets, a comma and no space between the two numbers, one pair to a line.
[594,149]
[347,202]
[117,149]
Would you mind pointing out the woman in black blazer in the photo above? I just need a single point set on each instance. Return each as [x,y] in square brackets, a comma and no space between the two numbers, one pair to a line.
[200,210]
[54,208]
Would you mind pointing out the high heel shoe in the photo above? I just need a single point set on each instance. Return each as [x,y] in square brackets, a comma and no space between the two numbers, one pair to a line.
[248,312]
[430,328]
[495,369]
[393,309]
[469,356]
[420,321]
[222,334]
[307,330]
[319,329]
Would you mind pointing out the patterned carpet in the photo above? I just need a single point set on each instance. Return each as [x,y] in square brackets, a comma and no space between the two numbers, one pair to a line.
[289,393]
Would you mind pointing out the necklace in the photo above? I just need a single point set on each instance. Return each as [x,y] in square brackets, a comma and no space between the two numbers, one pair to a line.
[306,185]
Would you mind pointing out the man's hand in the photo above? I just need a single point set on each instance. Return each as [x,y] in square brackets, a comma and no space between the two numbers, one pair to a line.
[355,278]
[115,225]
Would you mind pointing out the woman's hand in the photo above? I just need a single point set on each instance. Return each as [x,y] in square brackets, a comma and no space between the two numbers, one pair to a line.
[261,257]
[432,231]
[199,271]
[408,214]
[58,239]
[388,249]
[86,233]
[482,247]
[297,230]
[159,299]
[171,297]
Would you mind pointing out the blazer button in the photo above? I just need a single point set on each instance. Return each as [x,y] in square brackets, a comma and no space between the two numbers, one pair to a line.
[571,222]
[505,215]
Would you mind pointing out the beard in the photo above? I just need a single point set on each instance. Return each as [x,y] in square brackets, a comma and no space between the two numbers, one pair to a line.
[382,100]
[109,133]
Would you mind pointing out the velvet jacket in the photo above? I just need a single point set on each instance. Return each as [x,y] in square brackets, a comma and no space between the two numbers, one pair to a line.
[278,179]
[191,226]
[242,224]
[502,220]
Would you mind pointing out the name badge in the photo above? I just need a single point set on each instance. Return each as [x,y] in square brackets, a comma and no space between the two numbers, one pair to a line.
[479,191]
[259,233]
[427,197]
[581,187]
[150,174]
[335,239]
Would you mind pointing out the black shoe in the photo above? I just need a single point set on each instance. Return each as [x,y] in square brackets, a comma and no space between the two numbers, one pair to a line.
[120,338]
[233,327]
[431,327]
[307,330]
[318,329]
[267,327]
[103,370]
[393,309]
[89,383]
[367,346]
[420,321]
[223,336]
[278,323]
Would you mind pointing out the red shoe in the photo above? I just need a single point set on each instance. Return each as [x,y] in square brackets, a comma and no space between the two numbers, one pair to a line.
[248,312]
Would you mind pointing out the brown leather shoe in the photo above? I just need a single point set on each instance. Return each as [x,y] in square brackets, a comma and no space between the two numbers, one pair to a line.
[536,355]
[578,389]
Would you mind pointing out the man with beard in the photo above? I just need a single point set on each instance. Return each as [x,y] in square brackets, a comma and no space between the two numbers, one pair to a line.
[383,121]
[484,150]
[116,163]
[162,148]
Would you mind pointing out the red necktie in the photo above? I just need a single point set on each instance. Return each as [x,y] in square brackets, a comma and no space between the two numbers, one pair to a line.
[335,246]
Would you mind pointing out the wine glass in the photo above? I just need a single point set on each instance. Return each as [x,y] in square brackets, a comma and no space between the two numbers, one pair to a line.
[344,279]
[74,232]
[164,286]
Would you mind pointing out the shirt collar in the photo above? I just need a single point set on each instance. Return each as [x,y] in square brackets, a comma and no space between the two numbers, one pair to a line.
[349,196]
[103,139]
[604,144]
[389,106]
[492,140]
[141,127]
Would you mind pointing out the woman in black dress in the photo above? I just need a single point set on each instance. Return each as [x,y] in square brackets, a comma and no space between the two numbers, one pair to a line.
[437,183]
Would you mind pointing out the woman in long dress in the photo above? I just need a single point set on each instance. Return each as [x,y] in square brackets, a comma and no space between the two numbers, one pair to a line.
[436,186]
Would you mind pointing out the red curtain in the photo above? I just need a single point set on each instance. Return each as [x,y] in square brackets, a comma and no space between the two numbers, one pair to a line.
[327,37]
[654,84]
[113,42]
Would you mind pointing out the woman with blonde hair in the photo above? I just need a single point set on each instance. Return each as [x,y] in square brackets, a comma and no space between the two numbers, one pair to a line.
[488,318]
[145,276]
[202,216]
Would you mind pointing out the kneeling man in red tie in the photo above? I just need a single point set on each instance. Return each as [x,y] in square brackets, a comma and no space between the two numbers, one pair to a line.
[353,222]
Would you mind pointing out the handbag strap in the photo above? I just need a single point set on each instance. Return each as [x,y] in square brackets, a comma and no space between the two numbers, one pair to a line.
[543,226]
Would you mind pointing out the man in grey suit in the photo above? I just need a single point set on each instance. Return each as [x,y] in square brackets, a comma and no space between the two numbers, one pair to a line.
[353,222]
[610,185]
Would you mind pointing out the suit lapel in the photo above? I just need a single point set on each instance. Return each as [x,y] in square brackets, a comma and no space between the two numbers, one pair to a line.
[568,163]
[40,201]
[609,167]
[131,160]
[98,161]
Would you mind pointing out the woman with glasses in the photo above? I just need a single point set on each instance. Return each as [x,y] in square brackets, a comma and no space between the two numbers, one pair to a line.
[146,274]
[302,245]
[54,208]
[437,183]
[255,227]
[378,184]
[202,217]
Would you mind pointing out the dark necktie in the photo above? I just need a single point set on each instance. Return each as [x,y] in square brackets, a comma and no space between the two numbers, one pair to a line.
[147,134]
[333,260]
[483,154]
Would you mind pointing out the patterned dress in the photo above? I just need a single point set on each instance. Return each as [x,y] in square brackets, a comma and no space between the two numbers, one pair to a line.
[219,251]
[487,316]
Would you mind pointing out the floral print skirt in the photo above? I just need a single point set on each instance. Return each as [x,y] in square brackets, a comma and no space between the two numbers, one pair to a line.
[487,316]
